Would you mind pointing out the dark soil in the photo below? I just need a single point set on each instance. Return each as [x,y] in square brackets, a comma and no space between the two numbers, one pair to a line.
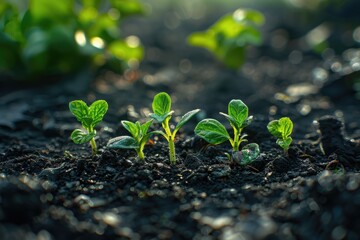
[51,188]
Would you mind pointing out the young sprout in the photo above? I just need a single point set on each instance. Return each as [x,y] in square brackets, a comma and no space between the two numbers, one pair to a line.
[162,113]
[282,129]
[228,38]
[89,117]
[140,136]
[215,133]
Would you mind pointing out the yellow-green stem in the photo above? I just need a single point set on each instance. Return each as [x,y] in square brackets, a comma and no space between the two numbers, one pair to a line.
[93,146]
[92,141]
[236,140]
[140,153]
[170,139]
[172,151]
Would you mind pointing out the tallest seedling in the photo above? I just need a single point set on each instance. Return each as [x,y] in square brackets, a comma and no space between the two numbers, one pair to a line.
[162,113]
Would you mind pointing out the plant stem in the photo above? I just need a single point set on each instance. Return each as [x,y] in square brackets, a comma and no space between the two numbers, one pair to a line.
[166,127]
[172,151]
[236,140]
[140,154]
[170,139]
[93,146]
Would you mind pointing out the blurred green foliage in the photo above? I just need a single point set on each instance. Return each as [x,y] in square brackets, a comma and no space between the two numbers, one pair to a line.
[228,38]
[42,38]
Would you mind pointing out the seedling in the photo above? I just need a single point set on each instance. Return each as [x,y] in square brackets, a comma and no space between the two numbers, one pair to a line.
[282,130]
[140,136]
[229,37]
[89,117]
[212,131]
[162,113]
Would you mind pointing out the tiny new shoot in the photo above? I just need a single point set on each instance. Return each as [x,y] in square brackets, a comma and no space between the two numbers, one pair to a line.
[162,113]
[214,132]
[137,140]
[282,129]
[89,117]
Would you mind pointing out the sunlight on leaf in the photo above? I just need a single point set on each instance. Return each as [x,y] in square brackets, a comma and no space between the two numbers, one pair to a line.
[212,131]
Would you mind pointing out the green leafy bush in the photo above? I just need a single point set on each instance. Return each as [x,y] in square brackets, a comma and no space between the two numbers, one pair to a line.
[212,131]
[139,137]
[44,38]
[282,129]
[89,117]
[162,113]
[228,38]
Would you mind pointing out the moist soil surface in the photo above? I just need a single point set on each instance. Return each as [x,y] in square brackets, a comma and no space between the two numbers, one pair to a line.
[51,188]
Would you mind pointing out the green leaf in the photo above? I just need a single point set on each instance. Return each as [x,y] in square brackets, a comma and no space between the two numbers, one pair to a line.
[128,7]
[87,123]
[238,111]
[91,3]
[79,109]
[145,127]
[185,118]
[161,118]
[161,104]
[144,139]
[232,121]
[132,128]
[13,29]
[124,142]
[249,153]
[274,128]
[228,37]
[249,15]
[212,131]
[56,12]
[202,39]
[126,49]
[97,110]
[286,126]
[79,136]
[232,56]
[281,128]
[284,143]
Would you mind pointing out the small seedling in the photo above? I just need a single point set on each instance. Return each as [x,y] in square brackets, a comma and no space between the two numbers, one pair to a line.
[89,117]
[162,113]
[229,37]
[282,129]
[140,136]
[214,132]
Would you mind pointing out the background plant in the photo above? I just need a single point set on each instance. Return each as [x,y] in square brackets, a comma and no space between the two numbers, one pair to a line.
[89,117]
[162,113]
[282,129]
[228,38]
[212,131]
[139,137]
[39,38]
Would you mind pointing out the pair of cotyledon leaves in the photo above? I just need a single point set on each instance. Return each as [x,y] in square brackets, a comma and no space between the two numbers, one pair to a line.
[281,129]
[89,117]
